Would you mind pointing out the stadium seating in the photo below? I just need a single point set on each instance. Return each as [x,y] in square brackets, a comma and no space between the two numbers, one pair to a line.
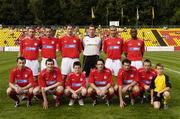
[145,34]
[9,37]
[171,37]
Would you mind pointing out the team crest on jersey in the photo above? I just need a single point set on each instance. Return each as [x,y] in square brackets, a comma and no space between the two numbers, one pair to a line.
[25,75]
[74,41]
[130,44]
[105,77]
[131,75]
[95,77]
[73,79]
[139,44]
[118,42]
[81,79]
[150,77]
[65,41]
[52,42]
[54,76]
[35,44]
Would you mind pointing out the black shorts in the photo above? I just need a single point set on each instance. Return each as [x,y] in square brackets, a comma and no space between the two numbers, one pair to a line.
[156,98]
[89,62]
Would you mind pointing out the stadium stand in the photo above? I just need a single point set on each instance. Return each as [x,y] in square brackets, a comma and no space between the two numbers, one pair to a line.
[145,34]
[170,36]
[9,37]
[152,37]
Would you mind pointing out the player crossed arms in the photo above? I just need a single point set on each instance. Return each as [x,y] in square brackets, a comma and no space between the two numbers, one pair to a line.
[131,83]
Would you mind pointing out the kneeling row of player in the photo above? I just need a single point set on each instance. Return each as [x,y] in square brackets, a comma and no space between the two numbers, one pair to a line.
[129,81]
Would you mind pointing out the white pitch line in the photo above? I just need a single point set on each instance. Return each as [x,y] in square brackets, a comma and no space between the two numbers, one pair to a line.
[171,70]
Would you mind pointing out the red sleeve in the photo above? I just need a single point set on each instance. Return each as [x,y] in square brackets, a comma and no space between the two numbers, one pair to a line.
[84,80]
[91,77]
[125,47]
[80,45]
[120,78]
[110,79]
[142,48]
[56,43]
[12,77]
[68,81]
[136,75]
[122,45]
[59,76]
[21,47]
[104,46]
[31,77]
[40,43]
[139,78]
[59,44]
[41,81]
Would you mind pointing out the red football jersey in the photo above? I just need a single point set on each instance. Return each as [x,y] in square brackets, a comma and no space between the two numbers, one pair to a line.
[29,48]
[21,77]
[70,46]
[100,79]
[46,78]
[113,47]
[127,77]
[48,47]
[75,81]
[134,49]
[145,77]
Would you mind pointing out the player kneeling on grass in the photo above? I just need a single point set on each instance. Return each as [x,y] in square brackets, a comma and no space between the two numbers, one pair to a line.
[100,80]
[127,82]
[50,82]
[20,82]
[160,87]
[145,75]
[76,85]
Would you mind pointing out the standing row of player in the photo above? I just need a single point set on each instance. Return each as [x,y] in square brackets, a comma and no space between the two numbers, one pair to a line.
[71,46]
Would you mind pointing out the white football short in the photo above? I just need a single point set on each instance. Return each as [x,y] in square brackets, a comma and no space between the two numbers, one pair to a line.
[113,65]
[43,63]
[137,64]
[67,65]
[33,65]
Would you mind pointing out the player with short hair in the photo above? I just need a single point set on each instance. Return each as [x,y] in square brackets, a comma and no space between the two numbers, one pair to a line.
[29,49]
[70,47]
[20,82]
[76,85]
[145,75]
[134,49]
[100,81]
[50,82]
[127,82]
[160,88]
[113,48]
[48,48]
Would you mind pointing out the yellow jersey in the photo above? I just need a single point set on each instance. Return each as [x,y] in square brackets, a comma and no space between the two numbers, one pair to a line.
[160,82]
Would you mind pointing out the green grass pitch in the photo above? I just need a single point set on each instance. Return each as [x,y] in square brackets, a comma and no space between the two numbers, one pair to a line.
[171,60]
